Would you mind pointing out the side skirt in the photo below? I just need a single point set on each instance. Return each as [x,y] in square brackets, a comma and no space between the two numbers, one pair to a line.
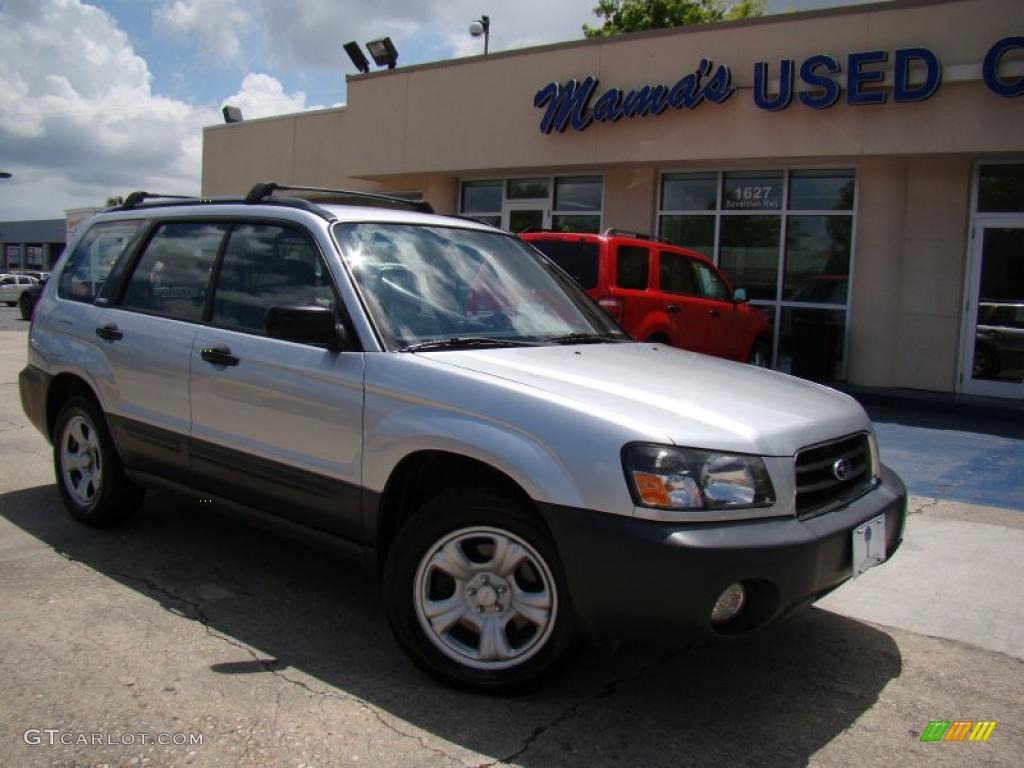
[366,556]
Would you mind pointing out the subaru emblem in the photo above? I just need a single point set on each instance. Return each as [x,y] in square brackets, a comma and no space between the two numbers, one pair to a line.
[841,469]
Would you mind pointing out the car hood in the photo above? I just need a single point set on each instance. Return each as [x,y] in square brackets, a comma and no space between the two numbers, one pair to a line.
[692,399]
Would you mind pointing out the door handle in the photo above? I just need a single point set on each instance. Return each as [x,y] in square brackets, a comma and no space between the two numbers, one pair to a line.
[671,307]
[109,332]
[219,355]
[714,312]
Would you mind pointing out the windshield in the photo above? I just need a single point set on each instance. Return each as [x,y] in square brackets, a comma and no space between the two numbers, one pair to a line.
[446,284]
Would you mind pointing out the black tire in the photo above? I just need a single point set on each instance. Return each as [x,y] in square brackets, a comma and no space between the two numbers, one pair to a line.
[10,303]
[760,354]
[113,498]
[465,514]
[658,338]
[26,305]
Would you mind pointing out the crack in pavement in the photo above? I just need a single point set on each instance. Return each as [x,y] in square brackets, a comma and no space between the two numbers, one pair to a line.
[269,665]
[607,690]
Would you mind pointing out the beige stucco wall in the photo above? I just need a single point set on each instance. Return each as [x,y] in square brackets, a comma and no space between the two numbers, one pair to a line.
[426,128]
[911,239]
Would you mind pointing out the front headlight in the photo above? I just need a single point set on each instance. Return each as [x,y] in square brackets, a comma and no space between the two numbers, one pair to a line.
[665,477]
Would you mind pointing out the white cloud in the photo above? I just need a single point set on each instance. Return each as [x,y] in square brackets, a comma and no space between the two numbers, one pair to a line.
[217,23]
[79,120]
[262,95]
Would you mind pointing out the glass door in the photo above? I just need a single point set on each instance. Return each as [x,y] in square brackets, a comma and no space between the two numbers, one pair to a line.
[993,350]
[521,215]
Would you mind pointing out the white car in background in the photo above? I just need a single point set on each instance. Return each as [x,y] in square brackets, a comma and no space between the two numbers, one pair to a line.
[12,286]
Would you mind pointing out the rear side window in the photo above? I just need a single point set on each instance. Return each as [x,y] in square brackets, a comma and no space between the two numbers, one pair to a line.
[676,274]
[172,276]
[632,267]
[266,265]
[88,267]
[577,257]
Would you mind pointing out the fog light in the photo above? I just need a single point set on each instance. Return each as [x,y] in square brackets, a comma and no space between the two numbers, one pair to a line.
[728,604]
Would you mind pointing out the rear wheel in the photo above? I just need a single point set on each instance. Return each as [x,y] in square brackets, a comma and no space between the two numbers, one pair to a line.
[89,473]
[475,594]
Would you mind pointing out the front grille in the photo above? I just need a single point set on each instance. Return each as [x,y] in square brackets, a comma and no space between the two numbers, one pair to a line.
[818,487]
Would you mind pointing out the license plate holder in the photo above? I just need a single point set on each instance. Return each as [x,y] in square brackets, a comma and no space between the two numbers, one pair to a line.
[868,544]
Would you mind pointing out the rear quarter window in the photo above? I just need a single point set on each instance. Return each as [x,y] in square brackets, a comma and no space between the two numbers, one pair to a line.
[95,256]
[632,267]
[577,257]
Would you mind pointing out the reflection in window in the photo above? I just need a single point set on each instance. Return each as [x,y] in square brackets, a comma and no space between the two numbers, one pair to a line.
[88,267]
[575,222]
[817,259]
[821,190]
[519,189]
[694,232]
[752,191]
[675,274]
[632,267]
[689,191]
[266,265]
[481,197]
[424,283]
[578,193]
[749,254]
[1001,188]
[172,276]
[812,343]
[711,287]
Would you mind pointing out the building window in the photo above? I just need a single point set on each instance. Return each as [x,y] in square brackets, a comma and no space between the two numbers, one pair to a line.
[561,203]
[784,236]
[482,200]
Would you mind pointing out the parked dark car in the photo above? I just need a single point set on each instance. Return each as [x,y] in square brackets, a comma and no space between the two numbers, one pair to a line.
[30,296]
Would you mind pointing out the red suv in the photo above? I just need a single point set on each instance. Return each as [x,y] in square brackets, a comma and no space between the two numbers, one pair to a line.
[659,292]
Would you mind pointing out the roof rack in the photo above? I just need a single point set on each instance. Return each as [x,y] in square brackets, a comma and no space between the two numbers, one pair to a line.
[134,198]
[637,235]
[265,189]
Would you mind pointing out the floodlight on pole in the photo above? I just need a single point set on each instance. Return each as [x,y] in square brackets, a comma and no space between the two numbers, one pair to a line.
[384,52]
[356,54]
[232,114]
[482,26]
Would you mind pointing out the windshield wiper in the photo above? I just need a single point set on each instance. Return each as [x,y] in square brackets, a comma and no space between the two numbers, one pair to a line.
[454,342]
[584,338]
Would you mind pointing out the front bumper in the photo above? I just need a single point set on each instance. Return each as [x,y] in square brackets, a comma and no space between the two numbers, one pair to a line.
[629,575]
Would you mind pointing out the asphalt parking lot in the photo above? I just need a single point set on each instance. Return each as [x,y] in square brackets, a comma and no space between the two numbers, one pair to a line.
[186,624]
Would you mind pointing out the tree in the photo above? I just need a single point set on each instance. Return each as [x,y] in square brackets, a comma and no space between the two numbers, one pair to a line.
[115,200]
[636,15]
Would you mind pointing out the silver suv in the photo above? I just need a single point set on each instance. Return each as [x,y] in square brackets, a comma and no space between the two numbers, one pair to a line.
[441,397]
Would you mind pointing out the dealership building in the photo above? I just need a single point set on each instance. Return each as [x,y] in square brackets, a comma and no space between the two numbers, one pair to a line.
[859,171]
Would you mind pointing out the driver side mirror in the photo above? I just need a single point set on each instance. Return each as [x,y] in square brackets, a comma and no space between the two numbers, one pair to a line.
[307,325]
[739,296]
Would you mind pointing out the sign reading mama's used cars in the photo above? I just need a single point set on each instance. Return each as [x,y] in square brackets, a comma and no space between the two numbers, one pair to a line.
[577,105]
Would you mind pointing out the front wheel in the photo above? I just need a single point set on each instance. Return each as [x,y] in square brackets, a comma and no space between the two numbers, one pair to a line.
[90,477]
[475,594]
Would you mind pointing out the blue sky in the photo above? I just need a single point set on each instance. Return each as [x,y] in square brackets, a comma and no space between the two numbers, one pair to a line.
[98,97]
